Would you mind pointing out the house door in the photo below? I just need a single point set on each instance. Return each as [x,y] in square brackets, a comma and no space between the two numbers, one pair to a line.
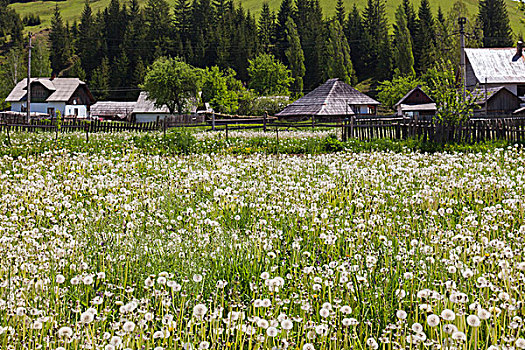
[51,111]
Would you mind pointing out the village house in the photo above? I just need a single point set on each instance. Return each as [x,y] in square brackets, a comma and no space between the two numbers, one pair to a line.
[495,67]
[415,103]
[68,96]
[333,100]
[112,110]
[495,101]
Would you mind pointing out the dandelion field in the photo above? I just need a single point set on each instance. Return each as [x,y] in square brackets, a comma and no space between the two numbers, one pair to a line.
[123,248]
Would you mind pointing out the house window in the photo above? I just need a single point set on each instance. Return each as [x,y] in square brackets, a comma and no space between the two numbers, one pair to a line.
[51,111]
[521,90]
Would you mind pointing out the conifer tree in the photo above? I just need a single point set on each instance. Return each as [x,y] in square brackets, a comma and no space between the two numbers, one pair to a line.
[295,56]
[424,40]
[286,11]
[266,29]
[356,36]
[403,55]
[158,25]
[182,19]
[40,63]
[338,63]
[60,48]
[115,23]
[99,83]
[495,23]
[87,42]
[378,60]
[411,17]
[340,14]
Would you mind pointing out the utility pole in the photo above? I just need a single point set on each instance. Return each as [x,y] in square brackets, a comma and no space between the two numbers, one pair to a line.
[29,47]
[462,61]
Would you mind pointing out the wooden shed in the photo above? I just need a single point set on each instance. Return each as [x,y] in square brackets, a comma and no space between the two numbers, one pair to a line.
[416,103]
[112,110]
[334,100]
[495,101]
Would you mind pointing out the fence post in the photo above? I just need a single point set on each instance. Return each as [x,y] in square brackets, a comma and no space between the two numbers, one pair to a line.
[86,128]
[352,122]
[213,121]
[264,120]
[164,126]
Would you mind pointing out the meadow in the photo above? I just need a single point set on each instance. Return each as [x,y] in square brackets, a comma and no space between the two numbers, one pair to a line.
[116,244]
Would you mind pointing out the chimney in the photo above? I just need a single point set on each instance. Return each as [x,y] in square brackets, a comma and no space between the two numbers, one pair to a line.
[519,48]
[53,76]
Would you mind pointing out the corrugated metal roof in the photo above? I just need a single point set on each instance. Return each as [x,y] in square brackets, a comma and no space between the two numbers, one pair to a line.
[497,66]
[420,107]
[145,105]
[112,109]
[332,98]
[62,89]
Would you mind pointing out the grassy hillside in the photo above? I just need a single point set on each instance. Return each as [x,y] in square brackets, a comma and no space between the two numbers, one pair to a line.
[71,9]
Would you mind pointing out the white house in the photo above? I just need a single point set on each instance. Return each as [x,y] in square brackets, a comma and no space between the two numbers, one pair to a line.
[145,110]
[496,67]
[69,96]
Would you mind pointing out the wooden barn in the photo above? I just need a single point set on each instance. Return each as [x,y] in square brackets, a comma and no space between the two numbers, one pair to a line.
[495,101]
[112,110]
[416,103]
[334,100]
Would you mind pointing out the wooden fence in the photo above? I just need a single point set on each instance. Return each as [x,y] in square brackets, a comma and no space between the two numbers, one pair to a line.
[358,127]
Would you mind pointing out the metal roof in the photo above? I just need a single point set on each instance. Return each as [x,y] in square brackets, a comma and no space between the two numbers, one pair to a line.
[420,107]
[62,89]
[497,66]
[332,98]
[112,109]
[145,105]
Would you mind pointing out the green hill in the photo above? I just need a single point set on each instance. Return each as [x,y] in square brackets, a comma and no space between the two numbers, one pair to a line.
[71,9]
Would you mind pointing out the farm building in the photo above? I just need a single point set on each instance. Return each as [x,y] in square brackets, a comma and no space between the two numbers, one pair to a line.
[111,110]
[495,100]
[495,67]
[145,110]
[416,103]
[332,100]
[69,96]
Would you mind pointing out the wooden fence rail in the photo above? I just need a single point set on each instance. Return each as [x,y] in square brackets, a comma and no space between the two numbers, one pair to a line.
[507,128]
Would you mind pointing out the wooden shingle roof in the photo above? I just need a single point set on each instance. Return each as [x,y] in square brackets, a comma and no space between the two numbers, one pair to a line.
[333,98]
[61,89]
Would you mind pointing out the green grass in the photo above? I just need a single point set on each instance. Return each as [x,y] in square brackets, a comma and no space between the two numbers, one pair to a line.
[72,9]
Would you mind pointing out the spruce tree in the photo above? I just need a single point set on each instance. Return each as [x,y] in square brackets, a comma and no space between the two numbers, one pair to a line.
[338,63]
[182,19]
[424,40]
[40,63]
[286,11]
[403,55]
[378,60]
[87,42]
[411,17]
[495,23]
[295,56]
[60,49]
[356,36]
[266,29]
[99,83]
[158,25]
[340,14]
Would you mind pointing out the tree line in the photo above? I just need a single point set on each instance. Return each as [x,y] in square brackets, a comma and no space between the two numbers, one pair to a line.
[112,49]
